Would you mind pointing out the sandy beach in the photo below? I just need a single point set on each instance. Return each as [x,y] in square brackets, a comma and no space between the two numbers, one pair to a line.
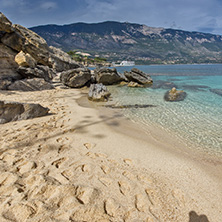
[84,163]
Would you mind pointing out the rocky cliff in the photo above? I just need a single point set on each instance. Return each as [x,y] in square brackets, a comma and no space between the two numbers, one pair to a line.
[24,55]
[118,41]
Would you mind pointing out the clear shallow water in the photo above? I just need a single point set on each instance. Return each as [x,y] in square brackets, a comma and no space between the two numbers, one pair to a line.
[197,120]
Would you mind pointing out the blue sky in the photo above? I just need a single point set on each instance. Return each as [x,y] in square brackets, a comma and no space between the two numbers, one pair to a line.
[190,15]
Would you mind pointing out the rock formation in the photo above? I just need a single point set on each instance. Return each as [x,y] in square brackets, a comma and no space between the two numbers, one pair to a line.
[175,95]
[12,111]
[76,78]
[108,76]
[98,93]
[25,55]
[138,76]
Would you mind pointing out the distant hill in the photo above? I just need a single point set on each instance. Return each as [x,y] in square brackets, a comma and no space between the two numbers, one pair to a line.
[143,44]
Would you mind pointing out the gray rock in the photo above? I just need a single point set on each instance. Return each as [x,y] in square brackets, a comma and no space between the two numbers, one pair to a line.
[61,61]
[98,93]
[40,72]
[13,111]
[136,75]
[8,67]
[108,76]
[35,84]
[174,95]
[76,78]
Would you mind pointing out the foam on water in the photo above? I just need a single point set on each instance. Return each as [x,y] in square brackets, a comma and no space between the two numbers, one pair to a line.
[197,120]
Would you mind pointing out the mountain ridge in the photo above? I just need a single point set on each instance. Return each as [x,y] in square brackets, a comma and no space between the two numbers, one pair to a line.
[131,41]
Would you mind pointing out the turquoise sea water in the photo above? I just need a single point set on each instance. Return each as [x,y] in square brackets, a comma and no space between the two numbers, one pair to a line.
[197,120]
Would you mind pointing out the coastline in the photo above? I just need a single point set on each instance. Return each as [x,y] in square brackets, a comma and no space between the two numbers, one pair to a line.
[185,181]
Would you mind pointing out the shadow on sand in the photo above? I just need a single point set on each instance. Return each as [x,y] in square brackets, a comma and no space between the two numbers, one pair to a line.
[194,217]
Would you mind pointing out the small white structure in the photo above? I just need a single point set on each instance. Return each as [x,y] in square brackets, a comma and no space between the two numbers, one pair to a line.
[127,63]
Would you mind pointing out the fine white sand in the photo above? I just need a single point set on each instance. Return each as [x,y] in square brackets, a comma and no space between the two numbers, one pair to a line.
[84,163]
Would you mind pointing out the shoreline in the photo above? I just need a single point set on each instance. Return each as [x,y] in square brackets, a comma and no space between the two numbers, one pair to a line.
[81,139]
[161,143]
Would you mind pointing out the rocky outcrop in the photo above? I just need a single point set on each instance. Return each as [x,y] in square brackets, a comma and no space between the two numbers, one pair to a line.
[76,78]
[175,95]
[12,111]
[24,54]
[5,24]
[98,93]
[8,66]
[108,76]
[34,84]
[136,75]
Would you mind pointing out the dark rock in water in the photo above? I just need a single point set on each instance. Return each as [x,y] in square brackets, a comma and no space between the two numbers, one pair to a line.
[163,85]
[13,111]
[98,93]
[108,76]
[76,78]
[136,75]
[217,91]
[174,95]
[195,87]
[130,106]
[40,72]
[34,84]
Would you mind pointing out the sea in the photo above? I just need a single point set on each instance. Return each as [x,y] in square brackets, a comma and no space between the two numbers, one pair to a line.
[197,120]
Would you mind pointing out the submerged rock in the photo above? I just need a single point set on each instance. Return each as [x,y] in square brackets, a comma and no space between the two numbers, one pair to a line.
[217,91]
[130,106]
[175,95]
[163,85]
[13,111]
[136,75]
[76,78]
[98,93]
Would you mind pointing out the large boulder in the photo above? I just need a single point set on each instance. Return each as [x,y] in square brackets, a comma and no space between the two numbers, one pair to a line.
[39,71]
[60,60]
[76,78]
[108,76]
[98,93]
[25,60]
[12,111]
[136,75]
[175,95]
[35,84]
